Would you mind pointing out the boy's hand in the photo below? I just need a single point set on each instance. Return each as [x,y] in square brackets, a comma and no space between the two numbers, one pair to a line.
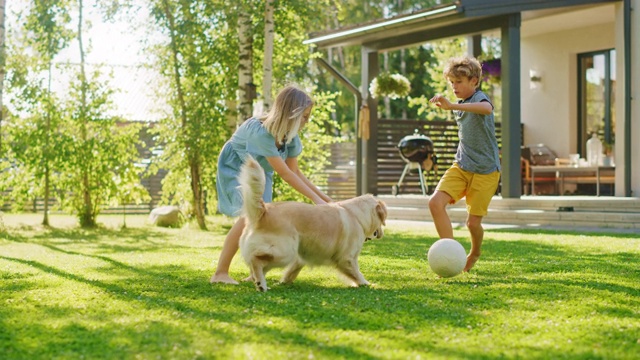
[441,102]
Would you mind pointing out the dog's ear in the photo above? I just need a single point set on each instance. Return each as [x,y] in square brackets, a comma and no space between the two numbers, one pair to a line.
[381,209]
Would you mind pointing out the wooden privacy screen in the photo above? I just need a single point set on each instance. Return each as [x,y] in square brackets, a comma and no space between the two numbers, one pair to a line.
[444,134]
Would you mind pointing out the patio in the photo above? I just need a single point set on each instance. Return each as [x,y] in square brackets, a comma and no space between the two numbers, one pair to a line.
[568,212]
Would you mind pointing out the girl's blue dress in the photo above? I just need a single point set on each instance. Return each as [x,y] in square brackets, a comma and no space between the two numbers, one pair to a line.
[250,138]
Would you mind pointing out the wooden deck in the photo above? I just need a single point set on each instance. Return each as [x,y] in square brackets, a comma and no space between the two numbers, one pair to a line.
[573,212]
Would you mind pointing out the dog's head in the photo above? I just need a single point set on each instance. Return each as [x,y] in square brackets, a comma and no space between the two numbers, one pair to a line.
[371,214]
[379,220]
[377,212]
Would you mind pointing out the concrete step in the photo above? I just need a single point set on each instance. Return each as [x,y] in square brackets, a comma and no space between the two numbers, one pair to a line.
[588,212]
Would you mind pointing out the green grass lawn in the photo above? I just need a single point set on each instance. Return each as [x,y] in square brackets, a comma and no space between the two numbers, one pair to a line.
[143,293]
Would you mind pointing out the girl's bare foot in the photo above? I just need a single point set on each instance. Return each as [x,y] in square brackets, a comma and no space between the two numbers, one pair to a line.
[471,260]
[222,278]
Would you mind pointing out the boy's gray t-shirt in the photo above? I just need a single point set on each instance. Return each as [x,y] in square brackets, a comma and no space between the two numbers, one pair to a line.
[478,148]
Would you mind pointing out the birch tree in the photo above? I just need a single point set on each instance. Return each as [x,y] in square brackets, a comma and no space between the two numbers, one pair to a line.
[42,37]
[269,29]
[246,87]
[2,70]
[100,154]
[200,49]
[194,158]
[63,143]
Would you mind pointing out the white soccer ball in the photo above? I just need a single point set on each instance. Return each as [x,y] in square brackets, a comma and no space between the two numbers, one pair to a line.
[447,257]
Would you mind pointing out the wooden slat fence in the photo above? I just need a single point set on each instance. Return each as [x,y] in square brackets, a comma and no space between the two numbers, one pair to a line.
[341,172]
[390,165]
[153,184]
[444,135]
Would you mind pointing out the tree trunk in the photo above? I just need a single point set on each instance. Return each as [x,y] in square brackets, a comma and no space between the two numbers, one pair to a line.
[246,88]
[403,71]
[194,161]
[387,101]
[198,199]
[87,218]
[47,172]
[2,70]
[339,49]
[269,28]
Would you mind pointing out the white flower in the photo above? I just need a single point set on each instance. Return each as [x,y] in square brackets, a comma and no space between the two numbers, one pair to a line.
[393,86]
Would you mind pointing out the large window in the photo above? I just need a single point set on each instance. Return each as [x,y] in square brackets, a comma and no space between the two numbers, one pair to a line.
[596,97]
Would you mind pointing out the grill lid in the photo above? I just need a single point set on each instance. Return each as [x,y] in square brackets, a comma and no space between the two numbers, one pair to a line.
[415,148]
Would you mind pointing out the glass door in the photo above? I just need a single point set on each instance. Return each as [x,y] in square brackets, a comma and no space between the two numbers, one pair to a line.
[596,98]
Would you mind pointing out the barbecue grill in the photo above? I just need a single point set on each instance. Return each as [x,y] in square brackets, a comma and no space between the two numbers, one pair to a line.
[417,151]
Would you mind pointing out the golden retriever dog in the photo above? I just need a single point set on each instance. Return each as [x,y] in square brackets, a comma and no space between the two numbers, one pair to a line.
[292,234]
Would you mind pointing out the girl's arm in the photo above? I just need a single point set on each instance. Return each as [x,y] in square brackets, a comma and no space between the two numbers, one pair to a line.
[292,163]
[294,180]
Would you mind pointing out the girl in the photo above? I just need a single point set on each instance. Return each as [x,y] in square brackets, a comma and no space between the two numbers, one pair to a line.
[274,142]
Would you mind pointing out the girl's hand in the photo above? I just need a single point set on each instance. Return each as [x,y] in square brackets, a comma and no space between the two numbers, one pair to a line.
[441,102]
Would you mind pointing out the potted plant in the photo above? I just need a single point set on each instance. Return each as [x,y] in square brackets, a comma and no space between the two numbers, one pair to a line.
[393,86]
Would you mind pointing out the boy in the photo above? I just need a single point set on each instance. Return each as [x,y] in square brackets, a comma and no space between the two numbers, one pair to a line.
[475,173]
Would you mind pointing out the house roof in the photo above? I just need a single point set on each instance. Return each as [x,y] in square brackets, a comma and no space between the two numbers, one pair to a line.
[451,19]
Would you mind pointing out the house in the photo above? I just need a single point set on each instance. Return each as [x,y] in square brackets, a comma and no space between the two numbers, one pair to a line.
[552,51]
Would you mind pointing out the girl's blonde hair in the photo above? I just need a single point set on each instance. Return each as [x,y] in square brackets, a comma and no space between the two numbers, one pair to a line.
[463,67]
[284,118]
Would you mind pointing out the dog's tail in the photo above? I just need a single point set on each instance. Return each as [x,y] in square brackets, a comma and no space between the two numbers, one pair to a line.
[252,183]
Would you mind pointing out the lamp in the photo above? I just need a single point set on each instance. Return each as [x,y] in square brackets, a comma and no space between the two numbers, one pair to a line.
[535,79]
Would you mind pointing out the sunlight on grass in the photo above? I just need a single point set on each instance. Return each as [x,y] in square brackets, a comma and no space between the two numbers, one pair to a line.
[142,292]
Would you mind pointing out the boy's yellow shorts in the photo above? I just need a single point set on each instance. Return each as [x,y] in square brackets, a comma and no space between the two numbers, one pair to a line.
[477,188]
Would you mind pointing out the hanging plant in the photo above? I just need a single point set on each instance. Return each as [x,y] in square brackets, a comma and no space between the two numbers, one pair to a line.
[392,85]
[491,70]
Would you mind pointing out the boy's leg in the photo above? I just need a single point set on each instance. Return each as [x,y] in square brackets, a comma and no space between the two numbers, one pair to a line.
[474,224]
[453,183]
[438,208]
[479,195]
[229,250]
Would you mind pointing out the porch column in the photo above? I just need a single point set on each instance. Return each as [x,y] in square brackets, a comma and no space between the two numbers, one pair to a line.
[627,151]
[510,73]
[474,45]
[368,176]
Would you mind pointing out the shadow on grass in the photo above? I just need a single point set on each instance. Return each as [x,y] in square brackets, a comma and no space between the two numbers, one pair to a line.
[517,258]
[126,240]
[408,298]
[169,289]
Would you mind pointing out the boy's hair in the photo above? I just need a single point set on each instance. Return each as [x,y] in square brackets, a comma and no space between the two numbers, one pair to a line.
[283,120]
[463,67]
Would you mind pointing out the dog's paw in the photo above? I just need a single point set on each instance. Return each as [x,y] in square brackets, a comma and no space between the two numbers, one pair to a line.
[261,287]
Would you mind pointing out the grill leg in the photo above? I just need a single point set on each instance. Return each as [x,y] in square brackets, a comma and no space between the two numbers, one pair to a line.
[423,184]
[404,172]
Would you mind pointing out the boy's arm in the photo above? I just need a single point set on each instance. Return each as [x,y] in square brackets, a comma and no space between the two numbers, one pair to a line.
[482,107]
